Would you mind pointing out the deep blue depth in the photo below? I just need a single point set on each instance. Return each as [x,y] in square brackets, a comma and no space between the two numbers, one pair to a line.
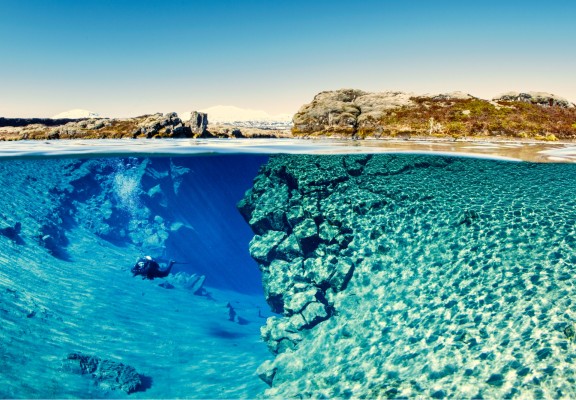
[217,244]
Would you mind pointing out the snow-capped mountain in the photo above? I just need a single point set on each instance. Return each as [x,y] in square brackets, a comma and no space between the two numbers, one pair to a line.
[231,113]
[76,114]
[243,117]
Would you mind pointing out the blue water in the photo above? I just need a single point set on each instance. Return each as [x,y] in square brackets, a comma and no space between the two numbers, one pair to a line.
[216,242]
[74,219]
[70,231]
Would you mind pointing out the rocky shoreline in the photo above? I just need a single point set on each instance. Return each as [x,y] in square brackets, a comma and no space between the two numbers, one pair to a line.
[155,126]
[357,114]
[342,114]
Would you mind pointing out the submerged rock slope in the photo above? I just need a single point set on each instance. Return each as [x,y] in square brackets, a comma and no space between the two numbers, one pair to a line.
[359,114]
[75,323]
[406,275]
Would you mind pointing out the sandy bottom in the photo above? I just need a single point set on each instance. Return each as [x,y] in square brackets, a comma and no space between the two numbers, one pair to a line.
[184,345]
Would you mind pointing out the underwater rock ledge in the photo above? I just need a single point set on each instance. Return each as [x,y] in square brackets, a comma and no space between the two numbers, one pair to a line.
[408,275]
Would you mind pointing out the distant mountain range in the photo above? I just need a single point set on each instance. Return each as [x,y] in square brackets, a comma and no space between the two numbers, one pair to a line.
[233,114]
[226,115]
[76,113]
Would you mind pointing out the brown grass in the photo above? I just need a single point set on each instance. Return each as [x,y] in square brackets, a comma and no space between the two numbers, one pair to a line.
[471,117]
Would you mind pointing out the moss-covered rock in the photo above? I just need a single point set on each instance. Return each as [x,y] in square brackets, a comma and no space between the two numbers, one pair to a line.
[357,114]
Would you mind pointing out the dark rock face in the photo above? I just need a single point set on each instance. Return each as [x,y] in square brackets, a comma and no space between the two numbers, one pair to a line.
[198,123]
[109,375]
[397,275]
[162,125]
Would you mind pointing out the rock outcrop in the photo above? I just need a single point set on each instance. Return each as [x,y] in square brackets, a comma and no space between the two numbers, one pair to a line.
[192,282]
[346,111]
[162,125]
[198,123]
[351,113]
[108,375]
[157,125]
[413,276]
[539,98]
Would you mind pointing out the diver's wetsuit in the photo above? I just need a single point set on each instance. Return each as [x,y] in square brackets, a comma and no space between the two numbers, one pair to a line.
[149,268]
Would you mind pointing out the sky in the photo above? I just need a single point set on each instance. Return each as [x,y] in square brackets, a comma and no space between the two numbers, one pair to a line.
[123,58]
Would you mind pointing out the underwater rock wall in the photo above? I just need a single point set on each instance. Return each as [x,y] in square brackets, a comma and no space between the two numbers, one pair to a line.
[128,200]
[119,199]
[407,275]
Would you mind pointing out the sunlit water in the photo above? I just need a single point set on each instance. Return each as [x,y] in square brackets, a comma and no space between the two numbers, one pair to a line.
[502,234]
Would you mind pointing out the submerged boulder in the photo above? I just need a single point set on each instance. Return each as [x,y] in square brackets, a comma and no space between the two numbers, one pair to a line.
[109,375]
[192,282]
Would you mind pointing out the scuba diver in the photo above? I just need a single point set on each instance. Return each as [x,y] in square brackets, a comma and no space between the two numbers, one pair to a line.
[149,268]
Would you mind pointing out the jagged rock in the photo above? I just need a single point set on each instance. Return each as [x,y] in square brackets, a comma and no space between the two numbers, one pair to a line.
[289,249]
[314,313]
[405,247]
[149,126]
[160,124]
[263,248]
[266,372]
[109,375]
[281,334]
[307,235]
[355,114]
[53,136]
[198,123]
[297,302]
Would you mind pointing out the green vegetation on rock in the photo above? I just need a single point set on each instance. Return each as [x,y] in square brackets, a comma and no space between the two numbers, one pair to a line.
[396,114]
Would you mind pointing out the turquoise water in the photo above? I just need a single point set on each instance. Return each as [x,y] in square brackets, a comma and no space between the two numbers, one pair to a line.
[461,282]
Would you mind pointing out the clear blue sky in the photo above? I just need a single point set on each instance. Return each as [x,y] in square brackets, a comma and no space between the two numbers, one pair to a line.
[129,57]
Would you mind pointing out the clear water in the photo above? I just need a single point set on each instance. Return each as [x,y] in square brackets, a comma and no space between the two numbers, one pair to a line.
[501,279]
